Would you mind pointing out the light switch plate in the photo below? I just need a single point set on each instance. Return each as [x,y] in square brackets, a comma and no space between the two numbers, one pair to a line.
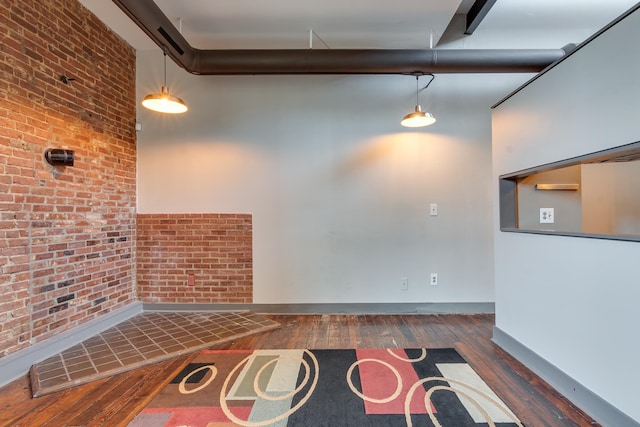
[547,216]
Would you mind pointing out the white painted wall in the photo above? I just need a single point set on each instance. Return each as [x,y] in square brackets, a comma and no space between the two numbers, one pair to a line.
[573,301]
[338,190]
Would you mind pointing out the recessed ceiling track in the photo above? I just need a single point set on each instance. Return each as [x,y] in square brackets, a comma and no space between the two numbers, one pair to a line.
[159,28]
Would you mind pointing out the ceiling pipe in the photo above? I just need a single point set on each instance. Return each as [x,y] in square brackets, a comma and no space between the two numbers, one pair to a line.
[148,16]
[371,61]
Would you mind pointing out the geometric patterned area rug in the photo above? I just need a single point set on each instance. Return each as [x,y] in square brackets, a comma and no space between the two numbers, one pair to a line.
[368,387]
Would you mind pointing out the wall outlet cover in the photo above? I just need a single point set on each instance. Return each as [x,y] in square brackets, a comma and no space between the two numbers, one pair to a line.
[433,279]
[547,216]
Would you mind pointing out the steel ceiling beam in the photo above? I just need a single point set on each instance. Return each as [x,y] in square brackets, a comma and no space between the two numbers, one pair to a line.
[476,14]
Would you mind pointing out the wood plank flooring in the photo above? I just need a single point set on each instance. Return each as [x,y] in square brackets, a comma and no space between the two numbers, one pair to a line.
[115,401]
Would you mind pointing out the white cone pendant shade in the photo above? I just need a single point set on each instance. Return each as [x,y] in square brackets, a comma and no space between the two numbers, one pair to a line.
[418,118]
[163,102]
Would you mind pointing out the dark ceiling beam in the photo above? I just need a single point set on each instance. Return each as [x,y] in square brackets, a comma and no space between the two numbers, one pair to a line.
[477,13]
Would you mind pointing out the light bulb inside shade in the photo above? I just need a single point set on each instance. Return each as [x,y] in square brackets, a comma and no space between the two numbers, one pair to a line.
[164,103]
[418,119]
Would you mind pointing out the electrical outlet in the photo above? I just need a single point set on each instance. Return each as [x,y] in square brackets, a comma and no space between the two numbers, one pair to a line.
[404,284]
[434,279]
[547,216]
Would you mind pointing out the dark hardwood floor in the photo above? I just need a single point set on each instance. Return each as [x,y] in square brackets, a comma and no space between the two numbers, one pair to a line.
[115,401]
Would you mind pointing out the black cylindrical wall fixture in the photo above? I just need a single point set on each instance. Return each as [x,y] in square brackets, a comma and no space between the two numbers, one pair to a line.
[59,157]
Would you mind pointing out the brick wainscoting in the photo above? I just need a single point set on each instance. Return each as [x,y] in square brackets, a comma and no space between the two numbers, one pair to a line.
[195,258]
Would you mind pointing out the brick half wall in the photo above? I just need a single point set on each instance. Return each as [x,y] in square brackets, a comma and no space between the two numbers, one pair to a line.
[195,258]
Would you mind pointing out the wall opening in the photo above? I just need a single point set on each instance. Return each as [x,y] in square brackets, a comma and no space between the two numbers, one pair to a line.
[595,195]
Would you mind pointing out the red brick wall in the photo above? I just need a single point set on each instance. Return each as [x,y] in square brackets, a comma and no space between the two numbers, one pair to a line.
[195,258]
[66,233]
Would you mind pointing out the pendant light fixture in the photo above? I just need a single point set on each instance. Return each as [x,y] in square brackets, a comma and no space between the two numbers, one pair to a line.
[163,102]
[419,118]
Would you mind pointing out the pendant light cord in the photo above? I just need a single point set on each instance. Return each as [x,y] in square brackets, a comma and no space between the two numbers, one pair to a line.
[432,78]
[164,52]
[418,90]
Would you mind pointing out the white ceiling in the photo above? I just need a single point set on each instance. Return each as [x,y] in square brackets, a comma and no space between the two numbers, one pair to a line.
[399,24]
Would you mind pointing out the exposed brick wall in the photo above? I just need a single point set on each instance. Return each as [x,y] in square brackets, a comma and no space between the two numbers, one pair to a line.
[67,234]
[195,258]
